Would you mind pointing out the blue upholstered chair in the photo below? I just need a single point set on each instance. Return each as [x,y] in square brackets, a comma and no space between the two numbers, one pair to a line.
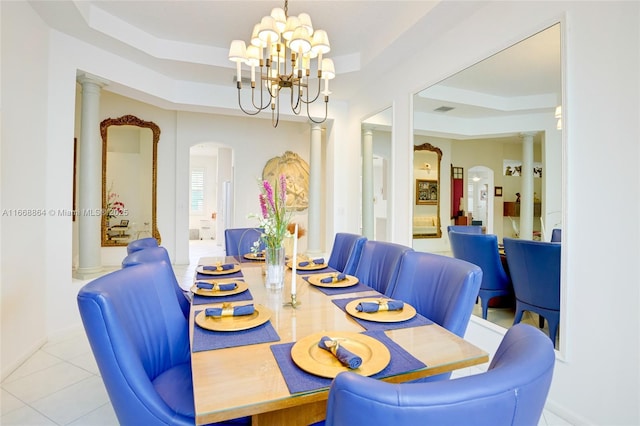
[512,392]
[535,272]
[469,229]
[238,241]
[140,341]
[158,254]
[141,244]
[379,264]
[482,250]
[346,252]
[556,235]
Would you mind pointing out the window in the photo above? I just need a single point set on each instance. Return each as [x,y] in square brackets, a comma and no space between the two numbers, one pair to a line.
[197,191]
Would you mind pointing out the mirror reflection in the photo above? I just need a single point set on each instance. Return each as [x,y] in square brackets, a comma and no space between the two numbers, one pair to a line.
[426,209]
[499,122]
[129,155]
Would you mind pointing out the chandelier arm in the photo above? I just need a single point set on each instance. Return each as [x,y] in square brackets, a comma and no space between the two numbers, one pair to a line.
[273,109]
[242,108]
[326,110]
[262,106]
[317,94]
[297,108]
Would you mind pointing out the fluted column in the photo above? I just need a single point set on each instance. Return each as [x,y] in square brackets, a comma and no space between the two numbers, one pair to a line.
[90,180]
[526,191]
[315,175]
[367,183]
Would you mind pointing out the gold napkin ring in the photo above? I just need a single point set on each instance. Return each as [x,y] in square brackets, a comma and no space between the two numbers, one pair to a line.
[227,309]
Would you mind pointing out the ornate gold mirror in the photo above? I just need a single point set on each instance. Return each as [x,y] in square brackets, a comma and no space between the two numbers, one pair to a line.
[129,176]
[426,208]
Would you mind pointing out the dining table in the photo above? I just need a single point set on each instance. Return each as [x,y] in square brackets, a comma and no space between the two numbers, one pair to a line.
[267,372]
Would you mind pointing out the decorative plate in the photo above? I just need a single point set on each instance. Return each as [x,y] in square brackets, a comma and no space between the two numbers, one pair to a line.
[315,360]
[406,313]
[254,256]
[200,270]
[260,315]
[310,267]
[316,280]
[242,286]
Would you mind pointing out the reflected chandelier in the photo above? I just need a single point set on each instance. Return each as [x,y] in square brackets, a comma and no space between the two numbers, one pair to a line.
[283,47]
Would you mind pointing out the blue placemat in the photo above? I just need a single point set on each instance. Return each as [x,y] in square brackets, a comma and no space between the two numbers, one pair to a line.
[416,321]
[200,276]
[205,340]
[300,381]
[202,300]
[342,290]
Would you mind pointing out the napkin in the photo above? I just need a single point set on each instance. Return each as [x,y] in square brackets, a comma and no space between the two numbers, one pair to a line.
[319,261]
[345,356]
[217,286]
[383,305]
[224,267]
[334,278]
[228,310]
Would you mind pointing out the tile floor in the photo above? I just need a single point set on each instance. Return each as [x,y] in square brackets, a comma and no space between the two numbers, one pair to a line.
[61,385]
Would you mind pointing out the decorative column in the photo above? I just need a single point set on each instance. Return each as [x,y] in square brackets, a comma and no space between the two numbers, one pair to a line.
[315,174]
[367,183]
[526,190]
[90,180]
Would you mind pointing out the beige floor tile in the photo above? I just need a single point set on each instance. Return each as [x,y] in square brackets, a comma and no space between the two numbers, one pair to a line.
[102,416]
[9,403]
[25,416]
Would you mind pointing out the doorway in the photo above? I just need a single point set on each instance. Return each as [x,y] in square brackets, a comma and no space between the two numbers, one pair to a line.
[480,195]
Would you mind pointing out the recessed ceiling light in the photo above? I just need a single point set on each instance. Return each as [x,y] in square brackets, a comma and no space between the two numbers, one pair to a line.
[443,109]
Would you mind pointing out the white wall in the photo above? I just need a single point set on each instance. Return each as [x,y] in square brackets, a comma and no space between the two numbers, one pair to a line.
[596,379]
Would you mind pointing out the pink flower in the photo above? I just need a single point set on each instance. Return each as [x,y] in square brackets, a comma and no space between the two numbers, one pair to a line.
[263,206]
[269,194]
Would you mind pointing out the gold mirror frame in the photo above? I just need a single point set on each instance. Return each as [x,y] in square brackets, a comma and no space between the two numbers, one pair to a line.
[438,232]
[129,120]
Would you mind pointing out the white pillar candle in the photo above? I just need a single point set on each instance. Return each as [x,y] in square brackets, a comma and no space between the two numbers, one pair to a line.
[294,261]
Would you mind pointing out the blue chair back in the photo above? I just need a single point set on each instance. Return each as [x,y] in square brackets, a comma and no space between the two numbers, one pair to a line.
[158,254]
[556,235]
[482,250]
[441,288]
[346,251]
[379,264]
[141,244]
[535,271]
[469,229]
[238,241]
[512,392]
[140,341]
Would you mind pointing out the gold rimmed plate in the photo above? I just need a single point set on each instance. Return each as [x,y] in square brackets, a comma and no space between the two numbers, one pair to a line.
[406,313]
[200,269]
[254,256]
[241,286]
[310,267]
[312,359]
[316,280]
[260,315]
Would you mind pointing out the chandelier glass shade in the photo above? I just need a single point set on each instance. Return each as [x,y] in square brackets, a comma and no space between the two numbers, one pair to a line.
[283,51]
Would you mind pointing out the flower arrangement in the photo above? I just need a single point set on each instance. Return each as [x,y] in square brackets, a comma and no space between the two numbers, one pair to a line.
[275,217]
[115,207]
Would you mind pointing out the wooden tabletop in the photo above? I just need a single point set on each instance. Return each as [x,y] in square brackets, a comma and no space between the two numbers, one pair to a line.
[246,380]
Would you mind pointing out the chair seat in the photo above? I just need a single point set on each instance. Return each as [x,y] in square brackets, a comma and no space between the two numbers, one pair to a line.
[176,389]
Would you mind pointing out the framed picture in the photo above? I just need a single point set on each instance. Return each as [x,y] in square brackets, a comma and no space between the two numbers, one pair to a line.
[497,191]
[426,191]
[124,222]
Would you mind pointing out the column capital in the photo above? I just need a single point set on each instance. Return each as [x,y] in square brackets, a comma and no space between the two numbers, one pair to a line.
[528,134]
[86,78]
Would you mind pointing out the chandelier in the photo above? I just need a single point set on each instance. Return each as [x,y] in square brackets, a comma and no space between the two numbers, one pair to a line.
[283,48]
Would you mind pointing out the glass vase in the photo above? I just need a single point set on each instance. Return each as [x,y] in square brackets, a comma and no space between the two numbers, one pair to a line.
[274,265]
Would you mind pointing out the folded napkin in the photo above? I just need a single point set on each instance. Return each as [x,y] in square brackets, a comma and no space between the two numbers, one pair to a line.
[224,267]
[382,305]
[259,254]
[345,356]
[228,310]
[334,278]
[217,286]
[319,261]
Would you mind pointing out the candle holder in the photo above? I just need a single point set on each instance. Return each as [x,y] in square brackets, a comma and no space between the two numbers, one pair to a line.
[294,301]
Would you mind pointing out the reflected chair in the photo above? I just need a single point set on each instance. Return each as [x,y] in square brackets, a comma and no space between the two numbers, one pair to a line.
[556,235]
[512,391]
[535,271]
[159,254]
[346,252]
[140,341]
[238,241]
[469,229]
[379,264]
[482,250]
[141,244]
